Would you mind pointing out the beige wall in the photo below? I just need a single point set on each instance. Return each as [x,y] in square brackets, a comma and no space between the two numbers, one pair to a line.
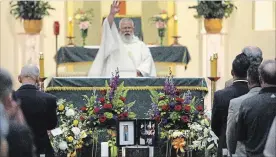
[241,34]
[13,41]
[238,28]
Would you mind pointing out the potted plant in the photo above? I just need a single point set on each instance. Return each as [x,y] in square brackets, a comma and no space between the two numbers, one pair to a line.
[31,12]
[213,13]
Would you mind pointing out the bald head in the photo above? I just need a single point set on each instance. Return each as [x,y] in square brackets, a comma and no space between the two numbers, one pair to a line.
[267,71]
[254,54]
[29,74]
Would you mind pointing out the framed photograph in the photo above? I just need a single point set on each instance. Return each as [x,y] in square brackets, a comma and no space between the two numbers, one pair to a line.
[126,132]
[147,132]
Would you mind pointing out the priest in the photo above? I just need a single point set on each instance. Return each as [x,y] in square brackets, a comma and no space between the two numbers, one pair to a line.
[121,49]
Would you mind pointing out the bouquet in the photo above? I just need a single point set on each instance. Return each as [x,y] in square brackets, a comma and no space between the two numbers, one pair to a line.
[182,120]
[84,19]
[172,110]
[104,110]
[161,21]
[68,138]
[109,106]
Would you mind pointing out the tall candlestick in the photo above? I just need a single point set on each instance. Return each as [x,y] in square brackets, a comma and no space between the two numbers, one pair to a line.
[175,25]
[70,27]
[41,65]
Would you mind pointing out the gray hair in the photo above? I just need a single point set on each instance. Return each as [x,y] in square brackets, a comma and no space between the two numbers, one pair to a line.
[30,71]
[126,20]
[267,71]
[254,54]
[6,84]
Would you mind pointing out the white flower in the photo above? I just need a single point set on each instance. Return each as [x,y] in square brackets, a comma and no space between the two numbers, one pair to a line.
[206,132]
[63,145]
[176,134]
[76,131]
[70,112]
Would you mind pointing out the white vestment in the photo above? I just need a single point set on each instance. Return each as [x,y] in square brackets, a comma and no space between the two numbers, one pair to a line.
[127,57]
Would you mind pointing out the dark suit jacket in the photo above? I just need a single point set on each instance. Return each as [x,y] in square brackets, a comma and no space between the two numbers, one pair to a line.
[39,110]
[255,119]
[220,110]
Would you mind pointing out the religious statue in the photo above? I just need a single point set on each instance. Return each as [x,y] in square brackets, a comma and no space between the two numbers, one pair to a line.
[120,48]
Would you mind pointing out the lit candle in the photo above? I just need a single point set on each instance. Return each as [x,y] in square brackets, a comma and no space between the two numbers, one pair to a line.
[213,62]
[70,27]
[41,65]
[175,25]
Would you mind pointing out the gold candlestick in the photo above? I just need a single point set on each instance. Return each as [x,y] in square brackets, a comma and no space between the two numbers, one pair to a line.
[213,87]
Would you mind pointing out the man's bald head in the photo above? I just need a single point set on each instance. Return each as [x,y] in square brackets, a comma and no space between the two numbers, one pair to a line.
[267,71]
[254,54]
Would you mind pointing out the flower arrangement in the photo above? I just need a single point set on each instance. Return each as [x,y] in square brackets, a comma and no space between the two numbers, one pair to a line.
[84,19]
[104,110]
[68,138]
[161,21]
[172,110]
[182,119]
[109,106]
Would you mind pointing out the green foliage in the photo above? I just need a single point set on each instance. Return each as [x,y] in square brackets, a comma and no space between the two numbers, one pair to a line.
[154,96]
[30,10]
[214,9]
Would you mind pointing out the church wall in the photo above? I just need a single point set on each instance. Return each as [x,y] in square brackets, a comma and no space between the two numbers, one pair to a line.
[48,42]
[241,34]
[188,29]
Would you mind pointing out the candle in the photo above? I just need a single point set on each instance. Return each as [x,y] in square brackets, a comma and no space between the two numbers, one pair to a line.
[175,25]
[56,28]
[213,62]
[41,65]
[104,149]
[70,27]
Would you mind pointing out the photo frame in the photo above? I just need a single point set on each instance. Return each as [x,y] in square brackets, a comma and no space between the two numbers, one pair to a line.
[147,132]
[126,133]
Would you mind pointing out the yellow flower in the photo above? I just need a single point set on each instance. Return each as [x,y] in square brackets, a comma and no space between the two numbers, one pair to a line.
[73,154]
[60,107]
[75,122]
[70,139]
[164,16]
[77,16]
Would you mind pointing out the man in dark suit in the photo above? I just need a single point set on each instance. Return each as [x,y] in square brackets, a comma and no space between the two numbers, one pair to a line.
[257,113]
[254,54]
[222,98]
[39,109]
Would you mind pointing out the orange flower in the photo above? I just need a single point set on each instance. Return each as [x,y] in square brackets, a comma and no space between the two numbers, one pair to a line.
[179,144]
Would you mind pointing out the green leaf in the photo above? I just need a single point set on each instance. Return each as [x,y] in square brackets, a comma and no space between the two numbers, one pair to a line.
[131,115]
[129,105]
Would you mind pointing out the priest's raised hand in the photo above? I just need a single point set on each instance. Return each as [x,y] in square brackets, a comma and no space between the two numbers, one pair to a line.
[120,48]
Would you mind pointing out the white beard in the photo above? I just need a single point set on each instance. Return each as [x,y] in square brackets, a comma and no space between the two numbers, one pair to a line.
[126,39]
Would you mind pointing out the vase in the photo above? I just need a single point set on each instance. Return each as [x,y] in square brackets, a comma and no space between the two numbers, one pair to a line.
[213,26]
[84,33]
[161,34]
[32,26]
